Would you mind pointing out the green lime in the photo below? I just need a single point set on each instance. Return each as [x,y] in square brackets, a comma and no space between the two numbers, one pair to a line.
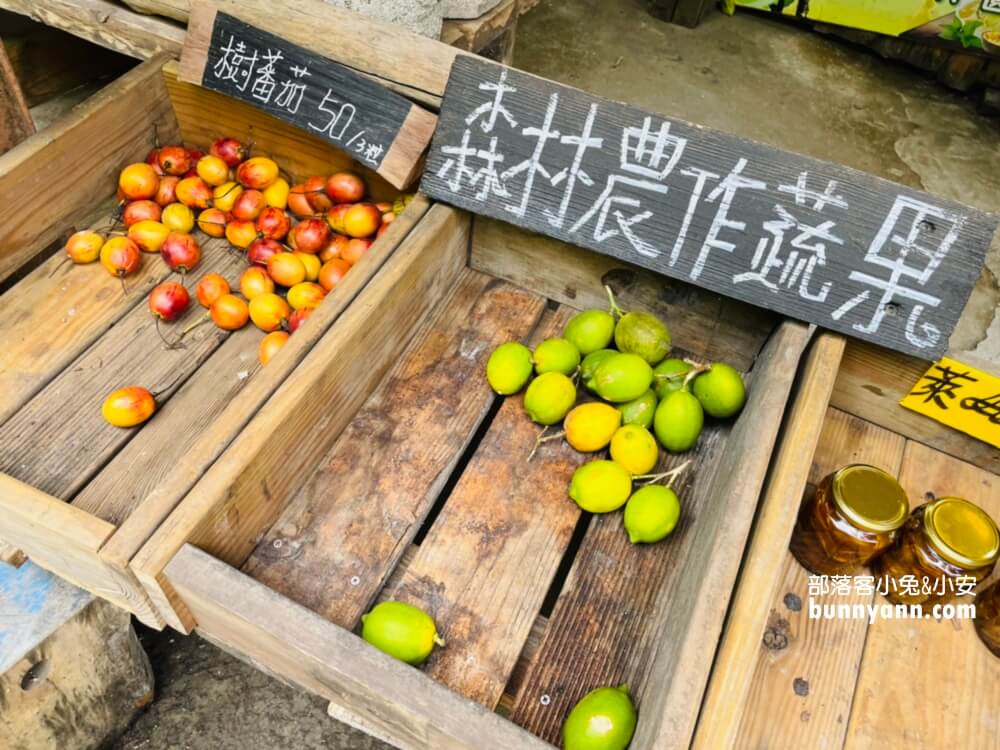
[590,364]
[639,411]
[678,421]
[604,719]
[590,330]
[600,486]
[651,513]
[720,390]
[622,378]
[643,334]
[401,630]
[549,397]
[509,368]
[556,355]
[589,427]
[672,366]
[634,449]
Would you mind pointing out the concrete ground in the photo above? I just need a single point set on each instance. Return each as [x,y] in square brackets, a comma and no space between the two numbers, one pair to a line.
[747,75]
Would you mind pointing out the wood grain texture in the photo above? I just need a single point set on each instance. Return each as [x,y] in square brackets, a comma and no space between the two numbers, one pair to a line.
[937,671]
[246,490]
[15,119]
[824,654]
[105,23]
[475,34]
[98,137]
[759,579]
[708,325]
[707,207]
[302,648]
[343,533]
[483,570]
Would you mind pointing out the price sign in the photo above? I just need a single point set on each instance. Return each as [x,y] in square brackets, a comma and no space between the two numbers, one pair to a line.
[961,397]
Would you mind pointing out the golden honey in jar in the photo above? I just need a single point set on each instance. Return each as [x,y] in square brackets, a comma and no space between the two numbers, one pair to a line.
[988,617]
[852,516]
[942,543]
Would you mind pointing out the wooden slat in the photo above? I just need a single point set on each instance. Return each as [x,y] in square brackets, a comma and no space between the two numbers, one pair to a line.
[244,492]
[105,23]
[929,683]
[759,578]
[301,647]
[15,119]
[484,568]
[819,657]
[336,543]
[709,325]
[475,34]
[110,130]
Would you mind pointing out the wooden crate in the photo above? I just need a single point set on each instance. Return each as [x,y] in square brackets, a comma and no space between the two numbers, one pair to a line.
[782,679]
[79,496]
[385,467]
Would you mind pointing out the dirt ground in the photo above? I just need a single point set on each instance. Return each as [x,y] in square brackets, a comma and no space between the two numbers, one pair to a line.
[747,75]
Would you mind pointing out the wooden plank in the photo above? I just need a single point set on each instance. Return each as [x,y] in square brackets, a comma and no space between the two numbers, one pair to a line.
[759,574]
[15,119]
[59,439]
[300,647]
[343,533]
[105,23]
[484,568]
[709,325]
[110,130]
[475,34]
[819,657]
[378,127]
[631,184]
[244,492]
[938,669]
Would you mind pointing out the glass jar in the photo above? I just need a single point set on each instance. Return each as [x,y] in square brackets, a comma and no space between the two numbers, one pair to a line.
[988,617]
[851,517]
[940,542]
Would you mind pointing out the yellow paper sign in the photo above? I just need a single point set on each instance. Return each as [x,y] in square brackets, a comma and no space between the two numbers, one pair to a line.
[962,397]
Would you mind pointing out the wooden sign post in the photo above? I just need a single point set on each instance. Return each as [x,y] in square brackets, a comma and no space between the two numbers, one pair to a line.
[379,128]
[809,239]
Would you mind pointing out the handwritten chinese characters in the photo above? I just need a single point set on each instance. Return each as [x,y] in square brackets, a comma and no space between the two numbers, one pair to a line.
[809,239]
[962,397]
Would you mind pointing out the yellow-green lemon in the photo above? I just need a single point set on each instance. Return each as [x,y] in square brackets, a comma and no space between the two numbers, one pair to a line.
[678,421]
[634,449]
[720,390]
[668,376]
[639,411]
[590,330]
[589,427]
[604,719]
[556,355]
[590,363]
[509,368]
[401,630]
[643,334]
[651,514]
[622,378]
[549,397]
[600,486]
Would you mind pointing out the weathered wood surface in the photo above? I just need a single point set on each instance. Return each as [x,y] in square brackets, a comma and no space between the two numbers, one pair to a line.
[339,538]
[805,671]
[476,34]
[376,126]
[485,566]
[300,647]
[863,256]
[15,119]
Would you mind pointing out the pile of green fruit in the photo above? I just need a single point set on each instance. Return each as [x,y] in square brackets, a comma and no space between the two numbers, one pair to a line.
[622,359]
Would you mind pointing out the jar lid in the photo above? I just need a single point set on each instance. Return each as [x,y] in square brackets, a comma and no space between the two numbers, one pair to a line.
[963,533]
[870,498]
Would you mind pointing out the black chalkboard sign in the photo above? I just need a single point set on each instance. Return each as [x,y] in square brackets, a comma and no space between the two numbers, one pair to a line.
[809,239]
[379,128]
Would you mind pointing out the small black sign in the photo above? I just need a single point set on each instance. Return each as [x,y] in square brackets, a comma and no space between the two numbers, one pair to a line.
[809,239]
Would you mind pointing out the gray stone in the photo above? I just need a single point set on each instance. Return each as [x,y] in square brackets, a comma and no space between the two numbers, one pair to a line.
[420,16]
[467,8]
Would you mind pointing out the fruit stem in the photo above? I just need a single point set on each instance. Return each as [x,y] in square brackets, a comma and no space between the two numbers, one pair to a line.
[613,308]
[59,265]
[203,319]
[168,386]
[695,371]
[543,438]
[672,474]
[121,278]
[439,641]
[167,344]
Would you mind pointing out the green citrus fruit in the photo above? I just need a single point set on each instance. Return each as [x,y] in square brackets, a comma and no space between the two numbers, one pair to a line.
[509,368]
[720,391]
[590,330]
[643,334]
[678,421]
[549,397]
[672,366]
[589,427]
[639,411]
[400,630]
[633,448]
[556,355]
[600,486]
[651,513]
[622,378]
[604,719]
[590,364]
